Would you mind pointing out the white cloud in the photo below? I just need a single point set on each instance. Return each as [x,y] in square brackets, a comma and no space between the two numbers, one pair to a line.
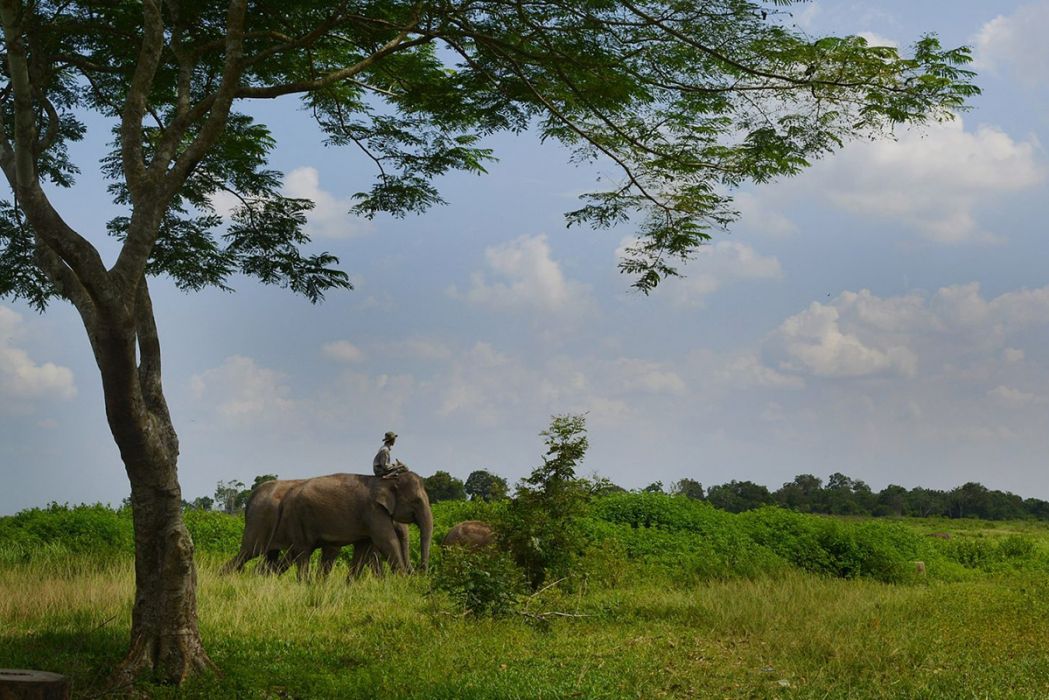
[329,217]
[1013,355]
[955,329]
[932,180]
[715,266]
[20,376]
[645,376]
[1013,397]
[343,351]
[242,391]
[521,274]
[1017,42]
[813,342]
[757,216]
[746,371]
[874,39]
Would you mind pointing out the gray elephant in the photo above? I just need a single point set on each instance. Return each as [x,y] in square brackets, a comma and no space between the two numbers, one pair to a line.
[342,509]
[473,534]
[260,519]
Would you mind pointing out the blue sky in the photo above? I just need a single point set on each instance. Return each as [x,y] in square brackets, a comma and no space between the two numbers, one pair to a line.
[885,314]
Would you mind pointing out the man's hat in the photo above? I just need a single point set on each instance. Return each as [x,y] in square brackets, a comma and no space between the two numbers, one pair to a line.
[390,435]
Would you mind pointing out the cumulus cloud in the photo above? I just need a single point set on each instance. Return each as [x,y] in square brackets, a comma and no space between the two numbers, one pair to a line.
[814,342]
[860,334]
[1017,43]
[20,376]
[329,217]
[522,274]
[244,392]
[715,266]
[932,180]
[343,351]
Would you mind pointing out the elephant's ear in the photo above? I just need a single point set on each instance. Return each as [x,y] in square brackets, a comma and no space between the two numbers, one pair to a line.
[386,497]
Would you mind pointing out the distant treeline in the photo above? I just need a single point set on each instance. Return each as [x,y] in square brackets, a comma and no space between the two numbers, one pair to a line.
[840,495]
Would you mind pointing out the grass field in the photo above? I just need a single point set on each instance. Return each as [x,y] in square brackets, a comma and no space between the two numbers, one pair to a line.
[973,627]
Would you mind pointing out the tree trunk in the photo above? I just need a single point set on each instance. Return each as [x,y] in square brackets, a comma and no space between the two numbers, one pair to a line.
[165,640]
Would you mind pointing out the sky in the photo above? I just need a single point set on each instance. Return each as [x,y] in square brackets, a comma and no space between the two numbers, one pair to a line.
[885,315]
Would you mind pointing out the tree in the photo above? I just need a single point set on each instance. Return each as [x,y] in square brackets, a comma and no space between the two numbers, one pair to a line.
[738,496]
[541,525]
[654,487]
[202,503]
[442,486]
[228,496]
[598,485]
[892,500]
[689,488]
[484,485]
[686,100]
[803,494]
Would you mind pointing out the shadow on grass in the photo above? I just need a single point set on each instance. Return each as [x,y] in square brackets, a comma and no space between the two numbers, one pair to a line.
[85,657]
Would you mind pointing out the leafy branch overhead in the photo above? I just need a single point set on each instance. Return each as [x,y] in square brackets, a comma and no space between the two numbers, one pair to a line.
[686,100]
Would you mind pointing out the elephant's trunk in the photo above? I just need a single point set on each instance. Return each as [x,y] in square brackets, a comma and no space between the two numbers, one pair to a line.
[424,519]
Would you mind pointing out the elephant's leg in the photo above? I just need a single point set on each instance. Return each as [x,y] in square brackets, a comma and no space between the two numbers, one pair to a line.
[300,556]
[236,564]
[328,556]
[402,538]
[387,542]
[361,556]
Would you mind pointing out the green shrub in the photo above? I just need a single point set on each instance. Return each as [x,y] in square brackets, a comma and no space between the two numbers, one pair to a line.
[483,582]
[214,532]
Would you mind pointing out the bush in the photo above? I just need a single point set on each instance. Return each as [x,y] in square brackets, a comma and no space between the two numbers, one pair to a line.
[483,582]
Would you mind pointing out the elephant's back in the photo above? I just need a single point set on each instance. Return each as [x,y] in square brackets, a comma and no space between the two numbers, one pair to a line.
[470,533]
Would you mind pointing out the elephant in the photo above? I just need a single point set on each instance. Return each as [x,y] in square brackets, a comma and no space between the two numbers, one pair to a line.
[342,509]
[473,534]
[260,519]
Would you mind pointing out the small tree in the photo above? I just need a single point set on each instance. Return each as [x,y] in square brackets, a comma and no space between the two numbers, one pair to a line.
[689,488]
[228,496]
[738,496]
[442,486]
[654,487]
[202,503]
[484,485]
[542,526]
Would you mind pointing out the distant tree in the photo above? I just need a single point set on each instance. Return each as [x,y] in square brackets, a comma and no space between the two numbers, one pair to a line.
[689,488]
[846,496]
[1037,508]
[803,494]
[485,486]
[654,487]
[970,500]
[738,496]
[203,503]
[262,479]
[924,503]
[602,486]
[891,500]
[442,486]
[228,496]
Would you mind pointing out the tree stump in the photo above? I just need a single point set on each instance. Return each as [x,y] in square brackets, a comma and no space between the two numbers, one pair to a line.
[22,684]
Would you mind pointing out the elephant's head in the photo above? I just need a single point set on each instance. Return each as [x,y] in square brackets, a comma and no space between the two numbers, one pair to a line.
[405,499]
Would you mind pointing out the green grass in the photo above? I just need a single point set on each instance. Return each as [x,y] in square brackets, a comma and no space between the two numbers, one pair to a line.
[655,618]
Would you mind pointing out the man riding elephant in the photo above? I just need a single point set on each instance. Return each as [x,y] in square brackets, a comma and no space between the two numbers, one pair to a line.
[384,465]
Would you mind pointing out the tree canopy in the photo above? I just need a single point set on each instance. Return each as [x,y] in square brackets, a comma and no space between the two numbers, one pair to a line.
[687,100]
